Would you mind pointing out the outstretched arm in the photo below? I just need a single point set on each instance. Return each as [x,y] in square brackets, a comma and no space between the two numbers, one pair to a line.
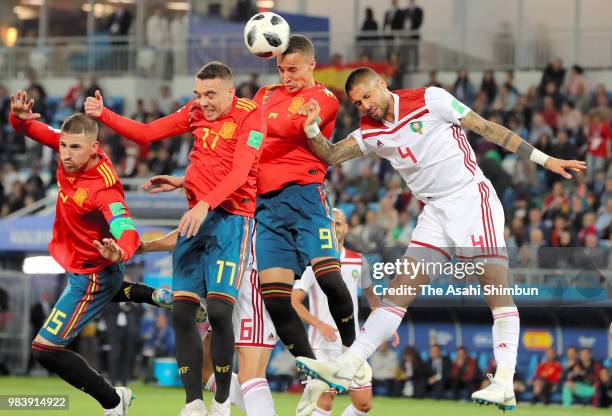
[23,120]
[512,142]
[169,126]
[165,243]
[328,152]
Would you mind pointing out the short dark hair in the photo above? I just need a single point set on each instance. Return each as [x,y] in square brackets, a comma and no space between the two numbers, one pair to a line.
[80,123]
[301,44]
[356,76]
[215,69]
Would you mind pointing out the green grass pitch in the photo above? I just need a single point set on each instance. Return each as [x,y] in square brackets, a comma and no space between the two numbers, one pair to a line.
[154,401]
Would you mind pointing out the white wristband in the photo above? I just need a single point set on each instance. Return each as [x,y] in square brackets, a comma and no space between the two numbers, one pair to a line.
[312,131]
[538,157]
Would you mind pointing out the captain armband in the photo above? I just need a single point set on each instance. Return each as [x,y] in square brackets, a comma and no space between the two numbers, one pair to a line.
[120,224]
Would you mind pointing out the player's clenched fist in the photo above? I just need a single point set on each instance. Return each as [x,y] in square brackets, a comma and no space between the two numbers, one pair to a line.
[311,111]
[193,219]
[21,107]
[94,105]
[109,249]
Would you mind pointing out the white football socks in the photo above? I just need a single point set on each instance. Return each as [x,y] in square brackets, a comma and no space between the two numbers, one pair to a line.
[235,395]
[506,331]
[257,398]
[378,328]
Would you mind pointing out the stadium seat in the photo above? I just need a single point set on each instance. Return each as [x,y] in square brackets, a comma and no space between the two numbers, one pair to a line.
[373,206]
[346,207]
[533,366]
[483,361]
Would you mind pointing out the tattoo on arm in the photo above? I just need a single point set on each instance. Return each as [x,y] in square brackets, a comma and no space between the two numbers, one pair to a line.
[497,134]
[334,154]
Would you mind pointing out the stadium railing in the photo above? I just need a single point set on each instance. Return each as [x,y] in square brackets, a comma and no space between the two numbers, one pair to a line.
[477,50]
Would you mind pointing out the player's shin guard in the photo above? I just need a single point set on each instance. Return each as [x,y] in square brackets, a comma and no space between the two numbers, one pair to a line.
[258,398]
[506,329]
[289,327]
[74,370]
[188,346]
[339,298]
[135,292]
[221,344]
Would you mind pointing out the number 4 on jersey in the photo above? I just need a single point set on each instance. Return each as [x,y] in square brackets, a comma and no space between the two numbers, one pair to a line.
[406,152]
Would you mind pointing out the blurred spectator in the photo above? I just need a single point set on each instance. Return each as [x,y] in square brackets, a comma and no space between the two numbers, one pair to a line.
[488,86]
[165,101]
[178,36]
[394,17]
[439,367]
[465,375]
[581,379]
[554,72]
[367,42]
[603,389]
[75,96]
[118,27]
[120,22]
[37,93]
[509,83]
[576,86]
[539,128]
[600,143]
[158,37]
[368,237]
[414,16]
[433,80]
[549,112]
[570,118]
[463,89]
[369,24]
[93,86]
[250,87]
[384,365]
[411,379]
[604,218]
[546,378]
[394,21]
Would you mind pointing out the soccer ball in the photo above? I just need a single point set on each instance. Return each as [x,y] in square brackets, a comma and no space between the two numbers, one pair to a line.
[266,35]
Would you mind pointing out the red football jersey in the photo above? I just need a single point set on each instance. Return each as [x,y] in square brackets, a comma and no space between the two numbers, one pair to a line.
[90,206]
[286,157]
[225,153]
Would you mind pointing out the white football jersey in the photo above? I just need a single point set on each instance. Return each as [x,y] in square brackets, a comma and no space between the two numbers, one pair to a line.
[425,143]
[355,273]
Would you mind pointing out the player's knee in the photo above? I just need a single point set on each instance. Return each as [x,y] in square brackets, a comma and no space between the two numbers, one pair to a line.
[220,313]
[184,313]
[44,353]
[363,405]
[277,298]
[325,401]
